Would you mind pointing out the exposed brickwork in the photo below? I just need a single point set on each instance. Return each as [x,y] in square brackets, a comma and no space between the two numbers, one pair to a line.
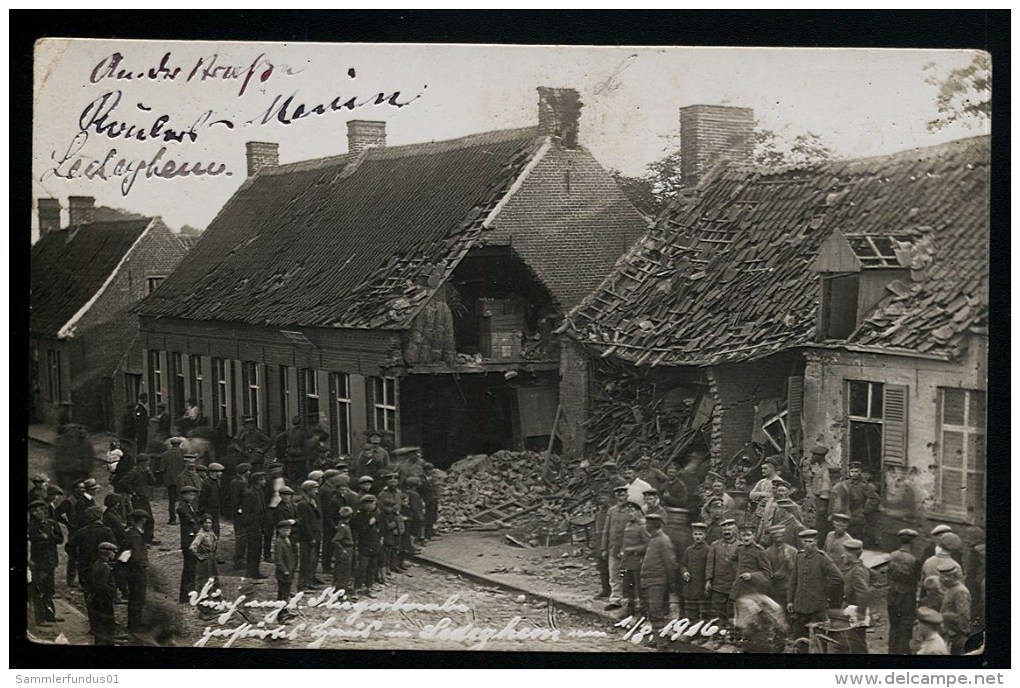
[363,133]
[261,154]
[709,133]
[81,209]
[49,215]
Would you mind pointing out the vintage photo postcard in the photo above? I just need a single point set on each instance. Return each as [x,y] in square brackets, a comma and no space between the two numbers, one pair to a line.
[450,347]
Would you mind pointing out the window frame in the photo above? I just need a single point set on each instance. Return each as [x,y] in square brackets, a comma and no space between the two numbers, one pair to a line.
[152,283]
[221,391]
[252,405]
[967,508]
[54,383]
[869,419]
[340,407]
[156,381]
[387,407]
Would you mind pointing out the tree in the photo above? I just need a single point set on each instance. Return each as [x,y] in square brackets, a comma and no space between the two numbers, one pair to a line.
[964,94]
[772,150]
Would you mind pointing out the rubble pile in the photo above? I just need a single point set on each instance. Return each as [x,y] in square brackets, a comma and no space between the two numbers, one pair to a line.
[531,495]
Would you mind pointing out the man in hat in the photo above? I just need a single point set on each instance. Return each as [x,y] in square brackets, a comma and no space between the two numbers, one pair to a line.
[936,534]
[718,491]
[209,496]
[115,518]
[296,461]
[754,569]
[390,497]
[343,549]
[44,535]
[67,513]
[373,460]
[781,510]
[611,548]
[410,463]
[366,485]
[692,570]
[635,486]
[309,535]
[137,568]
[237,490]
[716,515]
[925,639]
[956,625]
[813,574]
[103,592]
[658,576]
[948,544]
[367,528]
[760,495]
[781,555]
[140,417]
[285,562]
[839,535]
[173,466]
[674,492]
[38,490]
[851,496]
[189,475]
[721,570]
[83,547]
[138,483]
[651,496]
[188,517]
[249,520]
[904,576]
[856,597]
[252,443]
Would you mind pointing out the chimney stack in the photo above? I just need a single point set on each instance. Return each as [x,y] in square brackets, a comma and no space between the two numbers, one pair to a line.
[49,216]
[559,114]
[80,210]
[261,154]
[710,133]
[362,134]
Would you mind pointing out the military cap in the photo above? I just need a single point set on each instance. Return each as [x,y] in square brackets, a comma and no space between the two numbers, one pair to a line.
[342,462]
[941,528]
[330,473]
[309,485]
[189,488]
[778,529]
[929,616]
[852,545]
[367,498]
[651,491]
[819,450]
[286,489]
[243,467]
[202,468]
[286,523]
[37,502]
[401,451]
[715,500]
[654,516]
[777,481]
[249,419]
[620,488]
[189,457]
[107,546]
[951,541]
[699,526]
[139,513]
[773,461]
[841,517]
[257,475]
[91,483]
[316,476]
[907,533]
[728,522]
[746,527]
[176,440]
[39,478]
[947,565]
[854,464]
[366,479]
[215,467]
[808,533]
[54,490]
[346,512]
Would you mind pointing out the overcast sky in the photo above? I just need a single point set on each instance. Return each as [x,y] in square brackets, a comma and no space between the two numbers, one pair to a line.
[861,102]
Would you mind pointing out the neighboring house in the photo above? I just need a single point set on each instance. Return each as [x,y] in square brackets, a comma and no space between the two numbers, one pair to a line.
[411,289]
[85,279]
[842,303]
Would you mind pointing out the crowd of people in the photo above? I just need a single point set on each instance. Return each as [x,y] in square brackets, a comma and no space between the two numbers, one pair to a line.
[780,575]
[351,523]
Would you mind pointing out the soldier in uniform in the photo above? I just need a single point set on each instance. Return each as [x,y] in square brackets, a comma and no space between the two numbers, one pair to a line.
[818,487]
[138,484]
[753,568]
[103,589]
[658,576]
[948,544]
[925,639]
[904,577]
[956,626]
[373,460]
[781,555]
[296,460]
[252,444]
[718,487]
[692,571]
[721,570]
[813,574]
[611,547]
[856,593]
[209,496]
[44,534]
[431,499]
[138,568]
[285,562]
[237,490]
[309,535]
[173,465]
[38,489]
[250,518]
[835,539]
[851,496]
[189,523]
[189,477]
[674,492]
[781,510]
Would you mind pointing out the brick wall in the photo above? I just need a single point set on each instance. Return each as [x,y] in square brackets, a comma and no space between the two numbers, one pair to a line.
[261,154]
[709,133]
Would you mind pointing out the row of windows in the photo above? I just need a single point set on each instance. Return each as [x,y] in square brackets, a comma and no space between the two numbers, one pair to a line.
[381,392]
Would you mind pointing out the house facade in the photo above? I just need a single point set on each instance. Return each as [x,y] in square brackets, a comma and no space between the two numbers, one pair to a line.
[86,276]
[412,289]
[841,303]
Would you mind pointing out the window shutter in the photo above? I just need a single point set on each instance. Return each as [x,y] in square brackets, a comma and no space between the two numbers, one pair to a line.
[302,399]
[794,414]
[894,434]
[245,382]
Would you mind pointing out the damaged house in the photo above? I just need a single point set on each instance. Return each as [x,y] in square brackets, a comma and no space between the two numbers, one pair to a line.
[843,303]
[411,289]
[86,361]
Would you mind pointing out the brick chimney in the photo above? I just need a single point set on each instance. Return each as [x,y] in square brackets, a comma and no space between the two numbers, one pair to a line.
[362,134]
[261,154]
[49,215]
[80,210]
[559,113]
[710,133]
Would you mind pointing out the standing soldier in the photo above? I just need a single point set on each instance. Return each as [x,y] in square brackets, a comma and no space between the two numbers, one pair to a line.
[140,417]
[753,569]
[781,555]
[692,570]
[813,574]
[44,534]
[249,519]
[252,443]
[925,639]
[856,593]
[612,544]
[851,496]
[431,498]
[818,486]
[237,490]
[173,466]
[114,518]
[835,539]
[138,569]
[721,571]
[373,459]
[956,626]
[188,518]
[138,484]
[658,577]
[601,561]
[104,591]
[189,477]
[674,492]
[309,525]
[209,497]
[904,577]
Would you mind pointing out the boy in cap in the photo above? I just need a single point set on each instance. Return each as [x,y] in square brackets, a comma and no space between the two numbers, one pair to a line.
[285,562]
[367,528]
[103,589]
[83,547]
[392,527]
[904,576]
[189,474]
[925,639]
[692,571]
[721,571]
[814,573]
[343,549]
[658,577]
[716,516]
[856,597]
[187,517]
[635,541]
[612,544]
[956,626]
[114,518]
[309,535]
[44,534]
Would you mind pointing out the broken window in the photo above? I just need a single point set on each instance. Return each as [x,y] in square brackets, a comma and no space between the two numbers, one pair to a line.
[775,431]
[865,401]
[961,470]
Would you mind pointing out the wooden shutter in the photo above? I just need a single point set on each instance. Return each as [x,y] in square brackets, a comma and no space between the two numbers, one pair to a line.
[794,415]
[894,431]
[302,398]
